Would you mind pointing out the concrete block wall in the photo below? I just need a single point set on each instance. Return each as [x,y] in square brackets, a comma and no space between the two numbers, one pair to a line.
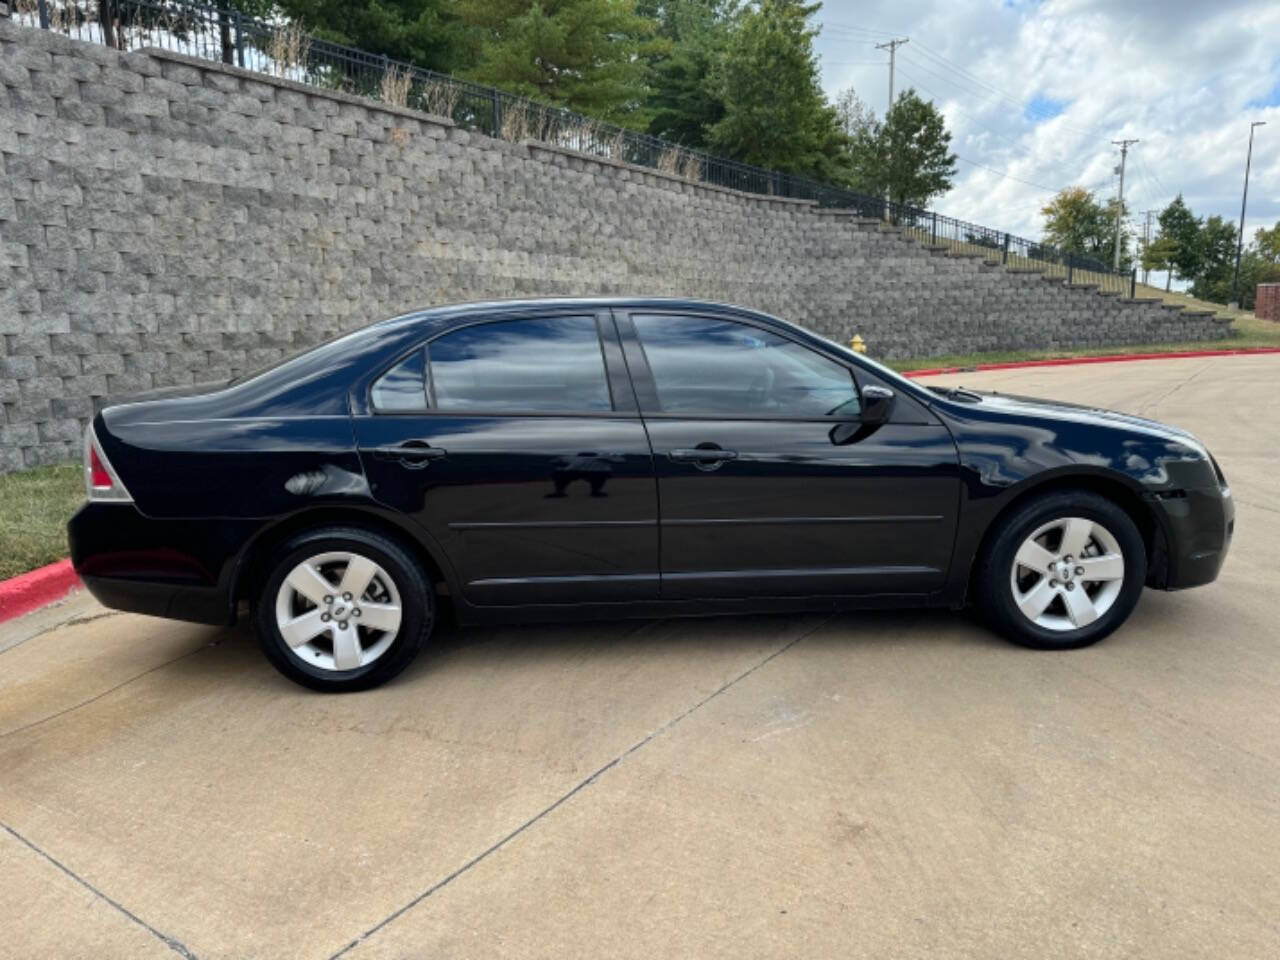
[165,221]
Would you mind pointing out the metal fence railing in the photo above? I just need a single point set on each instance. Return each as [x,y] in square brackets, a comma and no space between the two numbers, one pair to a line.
[281,49]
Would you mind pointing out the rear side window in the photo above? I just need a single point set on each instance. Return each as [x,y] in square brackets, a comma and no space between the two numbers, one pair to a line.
[541,365]
[702,366]
[403,388]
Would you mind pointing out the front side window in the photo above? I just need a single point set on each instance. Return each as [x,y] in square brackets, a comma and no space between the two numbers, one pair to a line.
[541,365]
[723,368]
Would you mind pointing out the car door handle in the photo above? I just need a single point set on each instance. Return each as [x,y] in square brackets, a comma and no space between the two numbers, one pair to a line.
[702,455]
[417,453]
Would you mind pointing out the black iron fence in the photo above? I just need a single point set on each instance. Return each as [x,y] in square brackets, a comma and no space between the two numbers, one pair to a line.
[284,50]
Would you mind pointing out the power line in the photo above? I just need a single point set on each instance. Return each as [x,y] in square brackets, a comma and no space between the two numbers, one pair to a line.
[1057,162]
[1007,176]
[1025,105]
[845,28]
[1026,108]
[964,74]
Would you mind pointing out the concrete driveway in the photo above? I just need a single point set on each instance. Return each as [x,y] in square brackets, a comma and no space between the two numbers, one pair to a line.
[864,785]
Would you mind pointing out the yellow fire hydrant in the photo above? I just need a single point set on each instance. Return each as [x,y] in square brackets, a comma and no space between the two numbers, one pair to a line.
[857,345]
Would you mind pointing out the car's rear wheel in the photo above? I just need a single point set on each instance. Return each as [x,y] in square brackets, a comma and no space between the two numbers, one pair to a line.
[1062,571]
[343,609]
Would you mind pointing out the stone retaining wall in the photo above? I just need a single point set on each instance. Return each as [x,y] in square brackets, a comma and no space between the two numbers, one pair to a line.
[166,220]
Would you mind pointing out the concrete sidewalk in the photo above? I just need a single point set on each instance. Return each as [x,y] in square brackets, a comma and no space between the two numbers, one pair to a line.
[864,785]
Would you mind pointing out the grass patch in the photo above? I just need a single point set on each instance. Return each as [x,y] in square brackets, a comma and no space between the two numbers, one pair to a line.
[35,506]
[1249,332]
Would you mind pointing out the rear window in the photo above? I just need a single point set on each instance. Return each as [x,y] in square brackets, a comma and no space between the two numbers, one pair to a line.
[403,388]
[540,365]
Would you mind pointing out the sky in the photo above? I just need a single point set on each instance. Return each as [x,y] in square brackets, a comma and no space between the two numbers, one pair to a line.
[1033,93]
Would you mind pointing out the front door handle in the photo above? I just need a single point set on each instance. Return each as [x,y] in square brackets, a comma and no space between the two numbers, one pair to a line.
[706,457]
[412,453]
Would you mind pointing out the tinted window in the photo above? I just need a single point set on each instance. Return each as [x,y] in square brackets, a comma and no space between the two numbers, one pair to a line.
[719,367]
[550,364]
[403,388]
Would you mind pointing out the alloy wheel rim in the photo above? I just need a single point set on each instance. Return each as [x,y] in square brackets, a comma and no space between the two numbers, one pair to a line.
[338,611]
[1067,574]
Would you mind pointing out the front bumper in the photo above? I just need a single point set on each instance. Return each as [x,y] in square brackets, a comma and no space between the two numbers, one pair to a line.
[1198,528]
[176,568]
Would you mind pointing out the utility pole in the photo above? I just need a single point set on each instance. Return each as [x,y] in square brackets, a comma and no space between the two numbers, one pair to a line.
[892,46]
[1146,241]
[1124,146]
[1235,282]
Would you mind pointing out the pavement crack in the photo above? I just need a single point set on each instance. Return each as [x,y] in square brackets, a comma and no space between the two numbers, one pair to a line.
[173,944]
[97,696]
[577,788]
[1257,506]
[1151,405]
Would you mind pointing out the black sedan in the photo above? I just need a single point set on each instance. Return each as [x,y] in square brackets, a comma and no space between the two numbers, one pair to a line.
[548,459]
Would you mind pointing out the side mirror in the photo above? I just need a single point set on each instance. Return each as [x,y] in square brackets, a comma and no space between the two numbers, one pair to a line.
[877,404]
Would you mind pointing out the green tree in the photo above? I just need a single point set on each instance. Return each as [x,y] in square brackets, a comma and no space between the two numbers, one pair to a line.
[908,156]
[1255,268]
[775,114]
[582,54]
[1160,255]
[858,122]
[423,32]
[1182,227]
[853,113]
[693,36]
[1218,258]
[1267,243]
[1077,222]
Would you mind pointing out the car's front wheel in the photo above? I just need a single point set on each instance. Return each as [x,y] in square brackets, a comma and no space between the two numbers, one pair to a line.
[1062,570]
[343,609]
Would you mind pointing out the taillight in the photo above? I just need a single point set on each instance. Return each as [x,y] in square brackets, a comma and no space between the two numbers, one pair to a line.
[100,479]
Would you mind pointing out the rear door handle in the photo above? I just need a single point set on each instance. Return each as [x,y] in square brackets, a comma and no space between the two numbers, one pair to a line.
[414,453]
[702,455]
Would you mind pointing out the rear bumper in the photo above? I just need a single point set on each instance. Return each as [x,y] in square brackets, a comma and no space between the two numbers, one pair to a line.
[181,569]
[197,604]
[1198,529]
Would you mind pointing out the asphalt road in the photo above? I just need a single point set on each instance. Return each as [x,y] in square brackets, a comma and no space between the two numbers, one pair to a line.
[865,785]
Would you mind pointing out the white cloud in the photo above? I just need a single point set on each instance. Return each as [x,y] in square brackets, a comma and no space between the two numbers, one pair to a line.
[1186,78]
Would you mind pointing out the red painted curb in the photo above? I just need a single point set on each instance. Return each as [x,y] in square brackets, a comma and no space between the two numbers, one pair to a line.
[30,591]
[1105,358]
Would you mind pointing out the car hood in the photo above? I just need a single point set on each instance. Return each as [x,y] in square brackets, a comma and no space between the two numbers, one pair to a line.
[1020,406]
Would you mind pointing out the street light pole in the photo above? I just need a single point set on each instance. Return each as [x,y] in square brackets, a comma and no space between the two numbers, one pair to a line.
[1235,282]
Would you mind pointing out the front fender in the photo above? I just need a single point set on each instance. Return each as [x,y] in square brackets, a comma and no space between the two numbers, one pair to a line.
[1004,459]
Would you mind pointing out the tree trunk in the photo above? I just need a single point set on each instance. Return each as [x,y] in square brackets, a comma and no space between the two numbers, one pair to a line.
[1168,279]
[106,19]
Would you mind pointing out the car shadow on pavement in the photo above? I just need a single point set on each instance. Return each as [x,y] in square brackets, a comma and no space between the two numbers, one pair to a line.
[627,639]
[236,649]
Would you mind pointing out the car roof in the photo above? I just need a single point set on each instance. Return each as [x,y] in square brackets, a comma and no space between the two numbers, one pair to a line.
[454,311]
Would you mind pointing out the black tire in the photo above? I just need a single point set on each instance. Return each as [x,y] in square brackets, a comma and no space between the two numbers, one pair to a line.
[417,602]
[994,594]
